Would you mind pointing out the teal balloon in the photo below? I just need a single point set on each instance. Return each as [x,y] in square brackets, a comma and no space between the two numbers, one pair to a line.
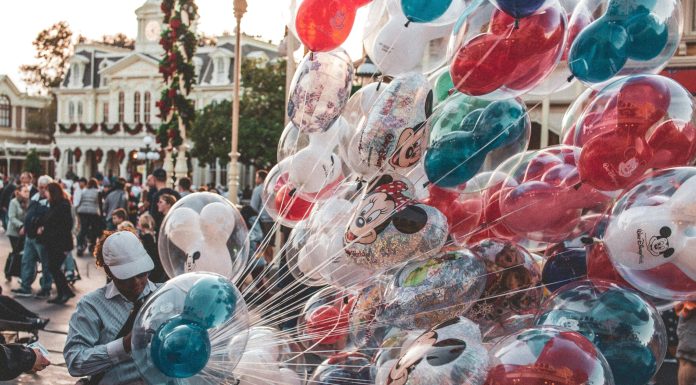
[631,363]
[622,9]
[599,52]
[419,11]
[647,37]
[450,115]
[210,302]
[443,86]
[180,348]
[457,156]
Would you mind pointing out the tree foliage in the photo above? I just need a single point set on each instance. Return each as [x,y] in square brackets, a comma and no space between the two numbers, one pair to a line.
[261,118]
[118,40]
[53,49]
[32,163]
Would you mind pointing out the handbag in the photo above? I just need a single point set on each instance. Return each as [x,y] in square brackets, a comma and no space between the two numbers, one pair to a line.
[125,329]
[13,265]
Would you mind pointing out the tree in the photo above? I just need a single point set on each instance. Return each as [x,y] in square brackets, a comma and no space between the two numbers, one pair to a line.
[32,163]
[53,49]
[206,40]
[261,118]
[118,40]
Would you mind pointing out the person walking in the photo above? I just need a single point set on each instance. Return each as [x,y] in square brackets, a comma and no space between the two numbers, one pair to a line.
[56,235]
[160,188]
[33,249]
[116,198]
[15,226]
[8,193]
[99,332]
[147,234]
[90,221]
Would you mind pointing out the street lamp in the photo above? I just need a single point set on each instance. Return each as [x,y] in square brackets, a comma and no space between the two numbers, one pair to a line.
[240,8]
[147,153]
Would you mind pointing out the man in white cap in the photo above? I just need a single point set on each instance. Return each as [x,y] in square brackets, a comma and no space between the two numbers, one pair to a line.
[99,335]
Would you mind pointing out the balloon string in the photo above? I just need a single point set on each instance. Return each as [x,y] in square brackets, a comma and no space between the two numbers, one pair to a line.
[517,23]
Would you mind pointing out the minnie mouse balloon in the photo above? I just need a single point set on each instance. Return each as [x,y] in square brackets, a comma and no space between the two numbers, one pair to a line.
[320,90]
[393,137]
[423,294]
[626,39]
[547,355]
[450,353]
[323,25]
[398,47]
[389,227]
[620,323]
[203,232]
[632,125]
[498,57]
[650,235]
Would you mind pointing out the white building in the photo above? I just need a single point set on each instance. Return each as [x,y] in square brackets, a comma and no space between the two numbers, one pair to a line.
[24,125]
[106,103]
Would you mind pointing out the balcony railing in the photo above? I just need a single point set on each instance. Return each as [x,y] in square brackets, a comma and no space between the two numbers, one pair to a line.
[106,128]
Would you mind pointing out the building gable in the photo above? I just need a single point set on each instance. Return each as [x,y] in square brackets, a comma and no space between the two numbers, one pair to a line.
[132,66]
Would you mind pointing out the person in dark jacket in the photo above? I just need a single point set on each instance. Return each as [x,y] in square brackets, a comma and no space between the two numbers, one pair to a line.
[7,194]
[56,236]
[146,232]
[17,359]
[160,189]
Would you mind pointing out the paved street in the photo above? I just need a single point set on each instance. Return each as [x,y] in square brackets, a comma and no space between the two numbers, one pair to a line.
[54,337]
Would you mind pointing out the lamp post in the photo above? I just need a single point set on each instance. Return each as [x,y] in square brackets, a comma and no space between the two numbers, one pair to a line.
[147,153]
[240,8]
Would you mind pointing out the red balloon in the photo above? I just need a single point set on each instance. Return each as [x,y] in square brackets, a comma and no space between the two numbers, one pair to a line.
[612,160]
[599,265]
[289,205]
[324,325]
[581,21]
[673,144]
[463,216]
[481,66]
[323,25]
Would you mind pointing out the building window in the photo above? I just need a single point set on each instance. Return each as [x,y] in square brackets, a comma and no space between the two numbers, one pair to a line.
[5,111]
[535,138]
[71,112]
[136,107]
[121,106]
[146,98]
[18,117]
[79,112]
[76,75]
[105,112]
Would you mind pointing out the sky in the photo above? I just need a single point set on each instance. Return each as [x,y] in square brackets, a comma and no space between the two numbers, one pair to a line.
[23,20]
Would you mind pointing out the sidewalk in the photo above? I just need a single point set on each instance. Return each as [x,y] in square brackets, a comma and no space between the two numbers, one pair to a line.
[54,336]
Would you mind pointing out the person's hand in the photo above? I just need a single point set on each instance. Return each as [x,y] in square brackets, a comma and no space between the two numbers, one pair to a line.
[127,342]
[21,231]
[41,362]
[40,230]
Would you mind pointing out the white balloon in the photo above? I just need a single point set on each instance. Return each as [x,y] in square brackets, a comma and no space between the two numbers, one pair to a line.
[312,170]
[183,228]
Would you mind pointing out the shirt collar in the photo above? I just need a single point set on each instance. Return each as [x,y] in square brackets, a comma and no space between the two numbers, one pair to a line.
[112,291]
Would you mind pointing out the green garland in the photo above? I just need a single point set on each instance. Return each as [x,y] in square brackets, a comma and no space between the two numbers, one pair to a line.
[176,66]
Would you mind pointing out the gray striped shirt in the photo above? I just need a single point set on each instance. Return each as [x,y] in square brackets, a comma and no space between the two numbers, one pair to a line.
[90,348]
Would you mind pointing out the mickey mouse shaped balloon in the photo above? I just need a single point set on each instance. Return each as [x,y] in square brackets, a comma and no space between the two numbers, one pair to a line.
[203,232]
[389,227]
[323,25]
[394,135]
[450,353]
[650,237]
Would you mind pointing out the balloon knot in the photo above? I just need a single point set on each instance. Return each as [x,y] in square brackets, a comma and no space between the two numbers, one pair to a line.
[311,56]
[587,240]
[292,192]
[407,24]
[380,82]
[570,78]
[577,186]
[451,91]
[426,184]
[517,23]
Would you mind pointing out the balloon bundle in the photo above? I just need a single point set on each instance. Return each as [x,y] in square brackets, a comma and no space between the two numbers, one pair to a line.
[427,243]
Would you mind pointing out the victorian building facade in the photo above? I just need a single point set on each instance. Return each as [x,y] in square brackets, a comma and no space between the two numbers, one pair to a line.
[24,125]
[107,102]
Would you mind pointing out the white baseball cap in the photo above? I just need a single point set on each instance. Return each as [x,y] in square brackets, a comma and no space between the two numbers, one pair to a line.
[125,255]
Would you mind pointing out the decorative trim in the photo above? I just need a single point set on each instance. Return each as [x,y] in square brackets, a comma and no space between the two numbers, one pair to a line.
[111,131]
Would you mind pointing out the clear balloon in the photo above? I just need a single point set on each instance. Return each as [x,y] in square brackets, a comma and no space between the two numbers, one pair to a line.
[315,172]
[573,114]
[390,227]
[279,198]
[343,369]
[291,141]
[320,90]
[442,85]
[496,56]
[563,265]
[450,353]
[650,236]
[393,137]
[544,199]
[174,339]
[519,8]
[547,355]
[626,329]
[270,359]
[397,46]
[463,209]
[204,232]
[624,38]
[425,293]
[513,283]
[324,323]
[635,124]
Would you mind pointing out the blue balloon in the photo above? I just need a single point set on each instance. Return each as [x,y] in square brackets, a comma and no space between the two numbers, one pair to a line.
[419,11]
[563,268]
[599,52]
[456,157]
[647,36]
[519,8]
[210,302]
[180,348]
